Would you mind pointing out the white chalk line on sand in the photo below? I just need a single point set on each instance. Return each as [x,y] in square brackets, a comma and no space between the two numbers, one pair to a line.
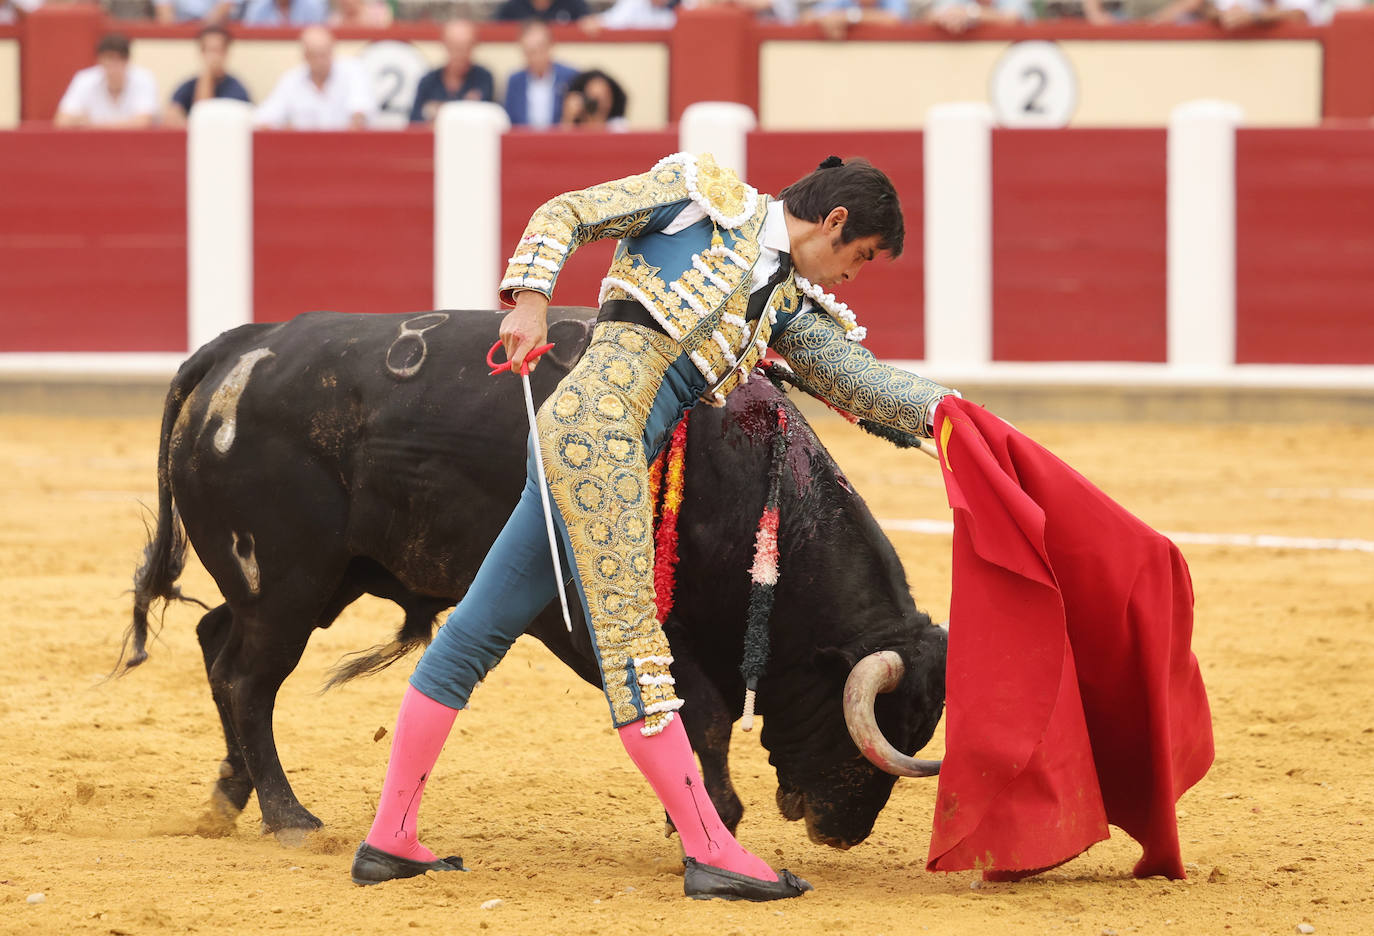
[1245,540]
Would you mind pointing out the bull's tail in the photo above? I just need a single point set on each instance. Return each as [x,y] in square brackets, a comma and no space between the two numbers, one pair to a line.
[414,635]
[164,556]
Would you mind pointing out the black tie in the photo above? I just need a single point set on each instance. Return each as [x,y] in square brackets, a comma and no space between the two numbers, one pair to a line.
[759,297]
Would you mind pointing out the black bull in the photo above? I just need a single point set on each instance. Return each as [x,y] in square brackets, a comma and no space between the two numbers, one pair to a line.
[314,461]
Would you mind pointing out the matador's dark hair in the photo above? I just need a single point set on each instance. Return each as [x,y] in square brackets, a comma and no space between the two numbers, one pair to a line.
[857,185]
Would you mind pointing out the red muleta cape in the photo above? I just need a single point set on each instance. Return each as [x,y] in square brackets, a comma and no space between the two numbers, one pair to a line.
[1073,699]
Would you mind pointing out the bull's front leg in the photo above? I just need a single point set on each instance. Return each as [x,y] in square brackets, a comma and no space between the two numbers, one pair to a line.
[708,721]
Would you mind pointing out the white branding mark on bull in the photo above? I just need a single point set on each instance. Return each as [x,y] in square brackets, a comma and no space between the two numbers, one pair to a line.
[409,349]
[248,561]
[224,403]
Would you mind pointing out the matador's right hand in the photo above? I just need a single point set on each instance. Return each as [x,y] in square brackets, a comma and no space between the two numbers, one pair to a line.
[525,327]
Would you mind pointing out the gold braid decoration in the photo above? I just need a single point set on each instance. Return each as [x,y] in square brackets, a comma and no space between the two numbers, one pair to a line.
[848,375]
[591,432]
[619,209]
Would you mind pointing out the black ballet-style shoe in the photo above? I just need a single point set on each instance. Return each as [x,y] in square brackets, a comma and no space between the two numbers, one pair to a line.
[707,882]
[373,866]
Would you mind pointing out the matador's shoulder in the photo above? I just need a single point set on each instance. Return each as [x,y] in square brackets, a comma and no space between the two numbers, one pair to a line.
[726,198]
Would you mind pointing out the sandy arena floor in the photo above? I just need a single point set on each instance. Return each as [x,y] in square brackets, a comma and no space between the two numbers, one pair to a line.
[103,782]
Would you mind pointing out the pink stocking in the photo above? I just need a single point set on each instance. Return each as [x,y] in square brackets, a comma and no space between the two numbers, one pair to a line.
[422,726]
[666,761]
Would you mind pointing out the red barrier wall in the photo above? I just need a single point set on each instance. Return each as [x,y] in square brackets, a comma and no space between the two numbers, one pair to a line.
[889,296]
[342,221]
[537,166]
[93,241]
[1305,246]
[1078,241]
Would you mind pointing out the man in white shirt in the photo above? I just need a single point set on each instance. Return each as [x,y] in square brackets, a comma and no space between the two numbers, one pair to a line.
[321,94]
[1239,14]
[112,93]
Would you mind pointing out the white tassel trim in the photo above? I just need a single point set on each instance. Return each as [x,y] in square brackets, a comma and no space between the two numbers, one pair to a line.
[546,241]
[725,348]
[649,731]
[670,705]
[531,260]
[837,309]
[639,296]
[703,366]
[688,162]
[720,250]
[729,318]
[711,275]
[690,299]
[647,680]
[528,281]
[659,660]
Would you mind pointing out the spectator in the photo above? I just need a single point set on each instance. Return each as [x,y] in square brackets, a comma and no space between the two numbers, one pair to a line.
[285,12]
[959,16]
[634,14]
[111,93]
[546,11]
[192,11]
[321,94]
[371,14]
[595,101]
[211,82]
[781,11]
[458,80]
[534,96]
[836,16]
[12,10]
[1145,11]
[1240,14]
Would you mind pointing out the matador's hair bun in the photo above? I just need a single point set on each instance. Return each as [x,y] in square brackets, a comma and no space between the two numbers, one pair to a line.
[831,162]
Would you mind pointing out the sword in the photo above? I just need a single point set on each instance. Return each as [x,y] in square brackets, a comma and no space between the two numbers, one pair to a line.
[538,463]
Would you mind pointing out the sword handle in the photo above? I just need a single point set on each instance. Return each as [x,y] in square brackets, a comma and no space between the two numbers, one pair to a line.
[505,366]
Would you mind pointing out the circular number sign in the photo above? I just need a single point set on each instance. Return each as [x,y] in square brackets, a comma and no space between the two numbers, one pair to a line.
[1033,85]
[395,69]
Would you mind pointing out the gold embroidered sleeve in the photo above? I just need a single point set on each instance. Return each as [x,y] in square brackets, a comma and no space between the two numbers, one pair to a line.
[623,208]
[849,376]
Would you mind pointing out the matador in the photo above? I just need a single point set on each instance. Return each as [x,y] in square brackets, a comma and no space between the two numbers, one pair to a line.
[708,274]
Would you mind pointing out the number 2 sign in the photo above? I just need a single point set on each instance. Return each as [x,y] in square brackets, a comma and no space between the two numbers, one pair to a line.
[1033,85]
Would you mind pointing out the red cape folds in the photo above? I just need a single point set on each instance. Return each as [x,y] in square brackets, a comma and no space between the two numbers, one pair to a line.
[1073,697]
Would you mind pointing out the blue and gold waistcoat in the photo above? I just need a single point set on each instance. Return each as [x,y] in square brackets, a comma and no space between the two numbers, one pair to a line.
[694,282]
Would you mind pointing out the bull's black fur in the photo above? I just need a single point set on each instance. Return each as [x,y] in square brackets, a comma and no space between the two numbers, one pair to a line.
[352,479]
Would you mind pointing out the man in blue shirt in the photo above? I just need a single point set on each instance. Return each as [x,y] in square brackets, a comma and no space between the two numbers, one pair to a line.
[534,95]
[212,81]
[458,80]
[285,12]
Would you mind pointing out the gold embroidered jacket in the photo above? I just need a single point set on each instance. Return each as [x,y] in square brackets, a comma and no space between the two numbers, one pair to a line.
[696,284]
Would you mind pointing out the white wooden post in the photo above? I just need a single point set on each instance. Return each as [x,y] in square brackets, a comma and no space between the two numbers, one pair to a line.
[219,219]
[467,204]
[1202,236]
[958,237]
[719,128]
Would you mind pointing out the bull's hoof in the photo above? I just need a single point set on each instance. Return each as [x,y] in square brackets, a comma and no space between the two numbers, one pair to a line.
[707,882]
[373,866]
[293,830]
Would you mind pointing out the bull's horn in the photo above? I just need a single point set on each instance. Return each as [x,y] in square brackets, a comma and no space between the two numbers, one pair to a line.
[875,673]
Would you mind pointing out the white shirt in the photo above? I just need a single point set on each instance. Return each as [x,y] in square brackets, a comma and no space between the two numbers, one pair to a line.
[88,96]
[638,14]
[8,9]
[299,104]
[539,100]
[1257,6]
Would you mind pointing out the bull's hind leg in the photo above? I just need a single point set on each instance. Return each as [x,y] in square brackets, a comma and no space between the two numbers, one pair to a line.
[234,785]
[261,653]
